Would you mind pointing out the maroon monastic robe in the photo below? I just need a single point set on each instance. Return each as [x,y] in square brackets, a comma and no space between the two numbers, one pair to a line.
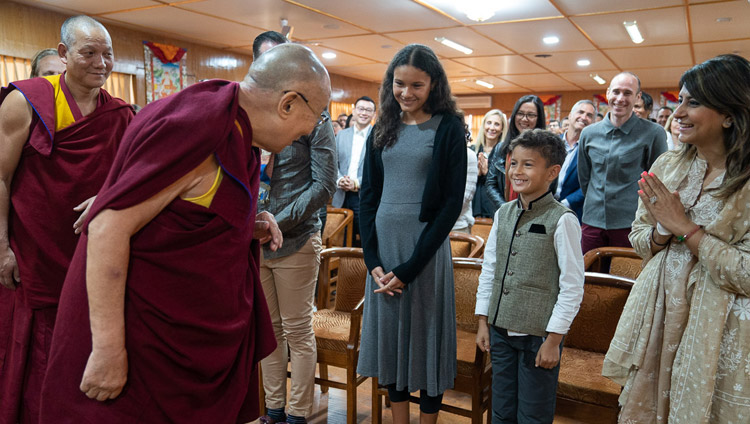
[196,320]
[57,171]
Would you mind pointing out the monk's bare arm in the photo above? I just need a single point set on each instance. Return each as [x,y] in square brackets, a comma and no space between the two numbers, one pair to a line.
[15,120]
[107,255]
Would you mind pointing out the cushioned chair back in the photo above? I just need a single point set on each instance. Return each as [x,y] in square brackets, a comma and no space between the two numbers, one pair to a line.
[333,233]
[624,261]
[603,301]
[482,227]
[352,276]
[466,245]
[466,277]
[626,267]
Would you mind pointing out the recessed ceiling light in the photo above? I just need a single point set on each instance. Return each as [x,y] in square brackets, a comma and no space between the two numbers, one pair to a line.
[484,84]
[452,44]
[635,34]
[584,62]
[329,55]
[551,40]
[598,79]
[726,19]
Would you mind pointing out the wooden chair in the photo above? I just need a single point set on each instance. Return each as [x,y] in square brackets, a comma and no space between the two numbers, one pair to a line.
[581,381]
[474,370]
[339,227]
[624,261]
[482,227]
[466,245]
[337,330]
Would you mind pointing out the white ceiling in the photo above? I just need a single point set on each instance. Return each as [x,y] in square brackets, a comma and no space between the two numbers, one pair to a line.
[365,34]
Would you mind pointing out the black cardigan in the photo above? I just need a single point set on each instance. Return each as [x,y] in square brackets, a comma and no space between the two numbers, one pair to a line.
[442,198]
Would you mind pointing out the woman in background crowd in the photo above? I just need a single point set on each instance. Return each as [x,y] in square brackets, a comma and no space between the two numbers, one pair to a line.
[528,113]
[494,128]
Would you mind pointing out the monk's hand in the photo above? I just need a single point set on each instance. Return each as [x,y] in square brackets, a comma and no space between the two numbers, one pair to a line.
[390,284]
[267,230]
[549,353]
[84,208]
[9,275]
[105,374]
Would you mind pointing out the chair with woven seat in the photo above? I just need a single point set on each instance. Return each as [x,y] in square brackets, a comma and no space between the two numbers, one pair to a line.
[466,245]
[339,227]
[624,261]
[474,370]
[337,330]
[581,380]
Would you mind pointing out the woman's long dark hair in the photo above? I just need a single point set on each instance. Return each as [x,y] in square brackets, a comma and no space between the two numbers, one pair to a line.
[513,131]
[439,100]
[723,84]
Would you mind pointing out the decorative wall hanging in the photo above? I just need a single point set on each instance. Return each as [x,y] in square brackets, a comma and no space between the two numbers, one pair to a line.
[552,106]
[166,70]
[600,104]
[670,98]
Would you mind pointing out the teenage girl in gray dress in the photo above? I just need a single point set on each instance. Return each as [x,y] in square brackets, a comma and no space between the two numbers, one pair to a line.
[412,193]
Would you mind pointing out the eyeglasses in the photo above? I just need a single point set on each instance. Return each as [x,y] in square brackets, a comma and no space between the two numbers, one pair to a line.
[323,117]
[364,109]
[529,116]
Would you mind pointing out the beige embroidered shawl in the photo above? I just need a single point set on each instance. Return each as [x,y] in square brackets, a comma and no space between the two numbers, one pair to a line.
[722,270]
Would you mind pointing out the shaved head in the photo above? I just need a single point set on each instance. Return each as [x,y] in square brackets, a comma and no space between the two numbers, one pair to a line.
[80,22]
[289,67]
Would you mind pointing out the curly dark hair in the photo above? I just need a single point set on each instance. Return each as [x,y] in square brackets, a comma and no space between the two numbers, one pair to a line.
[439,101]
[723,84]
[547,143]
[513,130]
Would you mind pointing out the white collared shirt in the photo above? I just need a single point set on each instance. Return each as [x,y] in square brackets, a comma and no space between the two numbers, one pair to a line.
[358,148]
[570,261]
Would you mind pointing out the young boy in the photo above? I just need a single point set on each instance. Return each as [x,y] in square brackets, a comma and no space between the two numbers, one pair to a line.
[531,284]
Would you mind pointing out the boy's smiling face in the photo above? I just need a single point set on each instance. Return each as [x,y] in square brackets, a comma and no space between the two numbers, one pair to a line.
[530,175]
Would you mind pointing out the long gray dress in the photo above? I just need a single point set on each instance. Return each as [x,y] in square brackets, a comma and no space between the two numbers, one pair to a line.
[409,339]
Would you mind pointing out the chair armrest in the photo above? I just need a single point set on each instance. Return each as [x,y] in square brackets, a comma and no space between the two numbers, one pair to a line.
[355,326]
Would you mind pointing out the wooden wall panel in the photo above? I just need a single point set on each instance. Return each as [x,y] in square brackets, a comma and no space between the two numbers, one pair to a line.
[24,30]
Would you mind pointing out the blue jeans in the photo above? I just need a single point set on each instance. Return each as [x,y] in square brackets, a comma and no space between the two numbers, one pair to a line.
[521,392]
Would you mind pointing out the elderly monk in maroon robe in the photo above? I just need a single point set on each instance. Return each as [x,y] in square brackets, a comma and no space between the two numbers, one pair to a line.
[162,316]
[58,138]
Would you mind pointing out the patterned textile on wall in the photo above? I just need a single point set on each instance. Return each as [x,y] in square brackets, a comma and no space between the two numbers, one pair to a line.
[670,98]
[552,106]
[600,104]
[166,70]
[337,108]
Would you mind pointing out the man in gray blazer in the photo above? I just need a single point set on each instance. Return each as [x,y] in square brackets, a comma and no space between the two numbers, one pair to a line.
[350,144]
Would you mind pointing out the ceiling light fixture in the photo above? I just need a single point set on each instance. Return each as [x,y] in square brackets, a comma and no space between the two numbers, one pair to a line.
[551,40]
[584,62]
[452,44]
[484,84]
[478,10]
[329,55]
[635,34]
[598,79]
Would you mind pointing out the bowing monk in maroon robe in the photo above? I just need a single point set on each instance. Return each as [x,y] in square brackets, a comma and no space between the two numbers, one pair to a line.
[58,138]
[162,316]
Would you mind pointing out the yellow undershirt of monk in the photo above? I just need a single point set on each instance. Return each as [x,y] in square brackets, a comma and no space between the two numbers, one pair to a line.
[208,197]
[63,114]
